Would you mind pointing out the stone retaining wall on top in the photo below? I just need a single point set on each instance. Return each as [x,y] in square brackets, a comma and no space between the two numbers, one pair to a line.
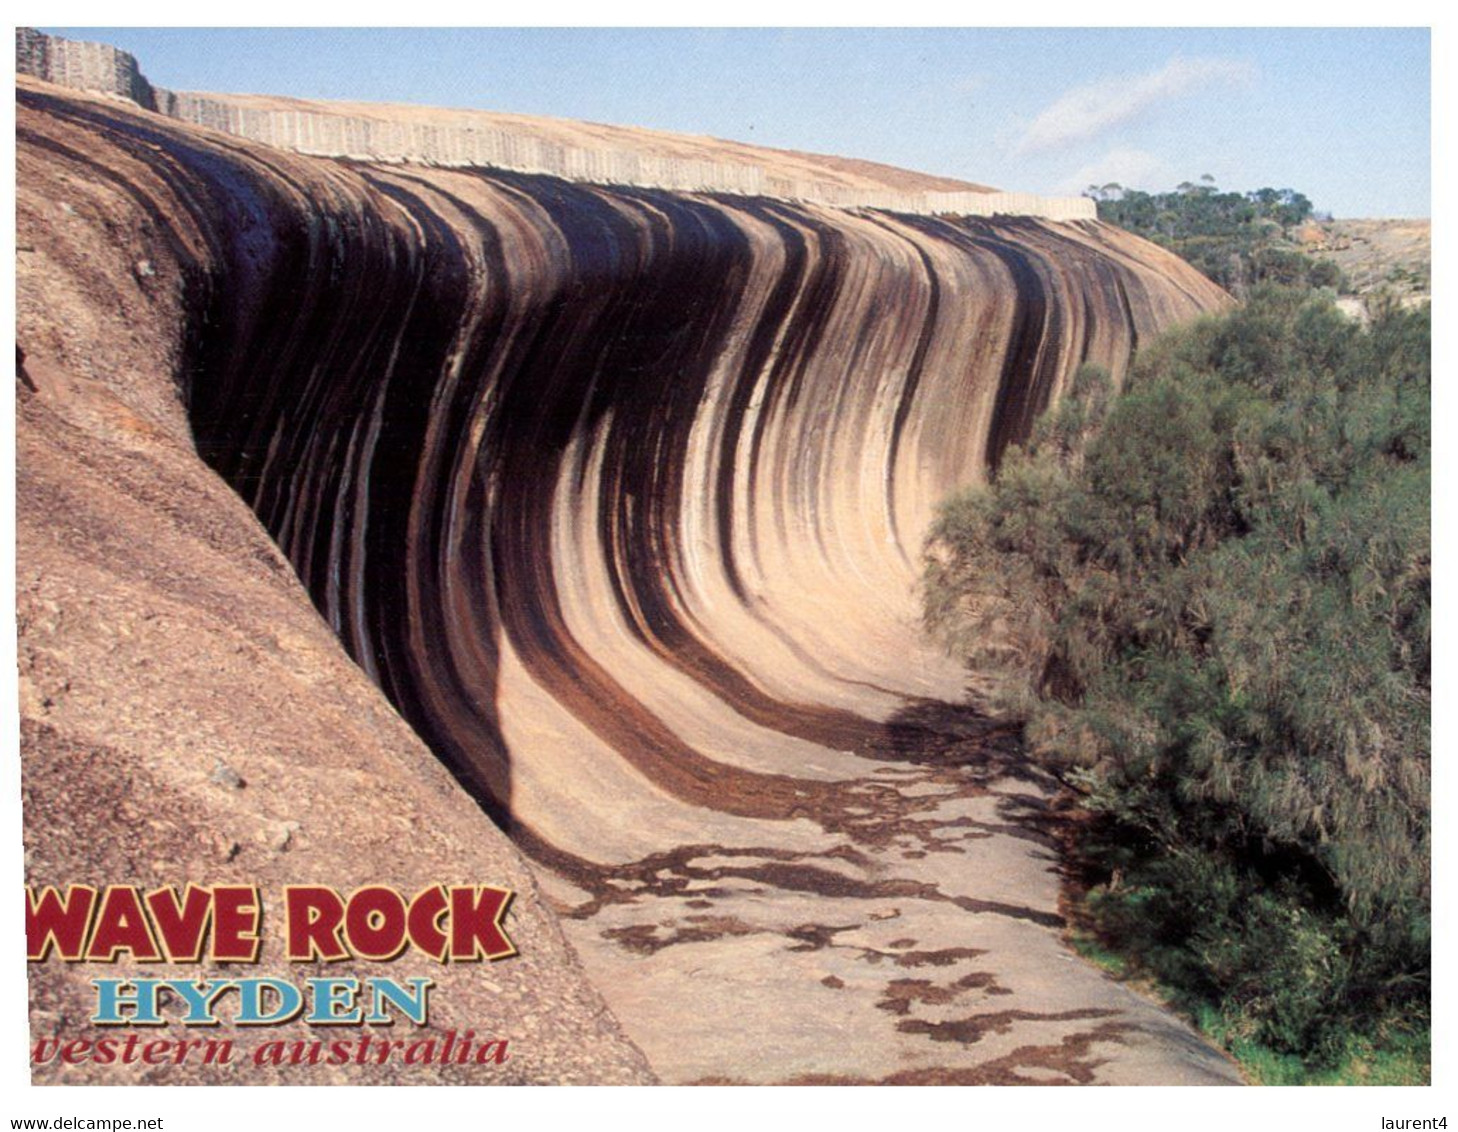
[96,66]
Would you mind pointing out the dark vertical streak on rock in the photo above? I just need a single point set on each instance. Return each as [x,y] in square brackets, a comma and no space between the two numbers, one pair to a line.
[422,441]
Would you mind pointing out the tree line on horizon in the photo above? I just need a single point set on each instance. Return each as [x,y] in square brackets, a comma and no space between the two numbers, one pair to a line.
[1238,239]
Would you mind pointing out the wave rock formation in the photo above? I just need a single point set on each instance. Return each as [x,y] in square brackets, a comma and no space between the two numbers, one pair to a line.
[618,495]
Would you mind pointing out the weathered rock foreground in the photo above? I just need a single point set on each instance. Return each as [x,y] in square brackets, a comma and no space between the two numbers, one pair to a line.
[618,495]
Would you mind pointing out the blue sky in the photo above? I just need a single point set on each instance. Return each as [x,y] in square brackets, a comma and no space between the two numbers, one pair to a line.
[1340,114]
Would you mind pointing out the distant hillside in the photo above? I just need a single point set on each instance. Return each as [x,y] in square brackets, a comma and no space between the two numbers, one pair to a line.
[1396,255]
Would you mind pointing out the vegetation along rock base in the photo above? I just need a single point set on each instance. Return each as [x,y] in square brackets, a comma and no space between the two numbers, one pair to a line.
[1208,598]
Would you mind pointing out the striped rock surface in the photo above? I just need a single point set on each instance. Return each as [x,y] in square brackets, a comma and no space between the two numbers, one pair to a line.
[618,496]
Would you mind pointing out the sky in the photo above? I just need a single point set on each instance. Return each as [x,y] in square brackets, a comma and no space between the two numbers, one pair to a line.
[1339,114]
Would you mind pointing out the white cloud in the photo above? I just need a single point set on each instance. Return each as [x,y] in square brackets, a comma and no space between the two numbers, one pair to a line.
[1086,112]
[1132,168]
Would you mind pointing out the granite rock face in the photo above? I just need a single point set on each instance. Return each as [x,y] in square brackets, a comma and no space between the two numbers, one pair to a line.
[186,716]
[617,494]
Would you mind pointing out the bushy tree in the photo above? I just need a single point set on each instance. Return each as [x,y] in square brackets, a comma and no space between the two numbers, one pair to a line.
[1209,599]
[1237,239]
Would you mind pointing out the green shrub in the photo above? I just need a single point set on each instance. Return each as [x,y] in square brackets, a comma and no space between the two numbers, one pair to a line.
[1325,273]
[1209,599]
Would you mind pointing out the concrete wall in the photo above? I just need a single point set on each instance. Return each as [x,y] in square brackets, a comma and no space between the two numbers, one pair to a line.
[86,66]
[95,66]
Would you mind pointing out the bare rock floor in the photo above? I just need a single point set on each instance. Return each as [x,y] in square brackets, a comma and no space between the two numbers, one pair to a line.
[934,956]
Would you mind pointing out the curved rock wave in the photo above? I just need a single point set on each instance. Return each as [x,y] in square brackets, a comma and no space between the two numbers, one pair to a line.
[619,496]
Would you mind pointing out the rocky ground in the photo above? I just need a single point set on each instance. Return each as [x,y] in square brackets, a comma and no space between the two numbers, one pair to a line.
[1376,256]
